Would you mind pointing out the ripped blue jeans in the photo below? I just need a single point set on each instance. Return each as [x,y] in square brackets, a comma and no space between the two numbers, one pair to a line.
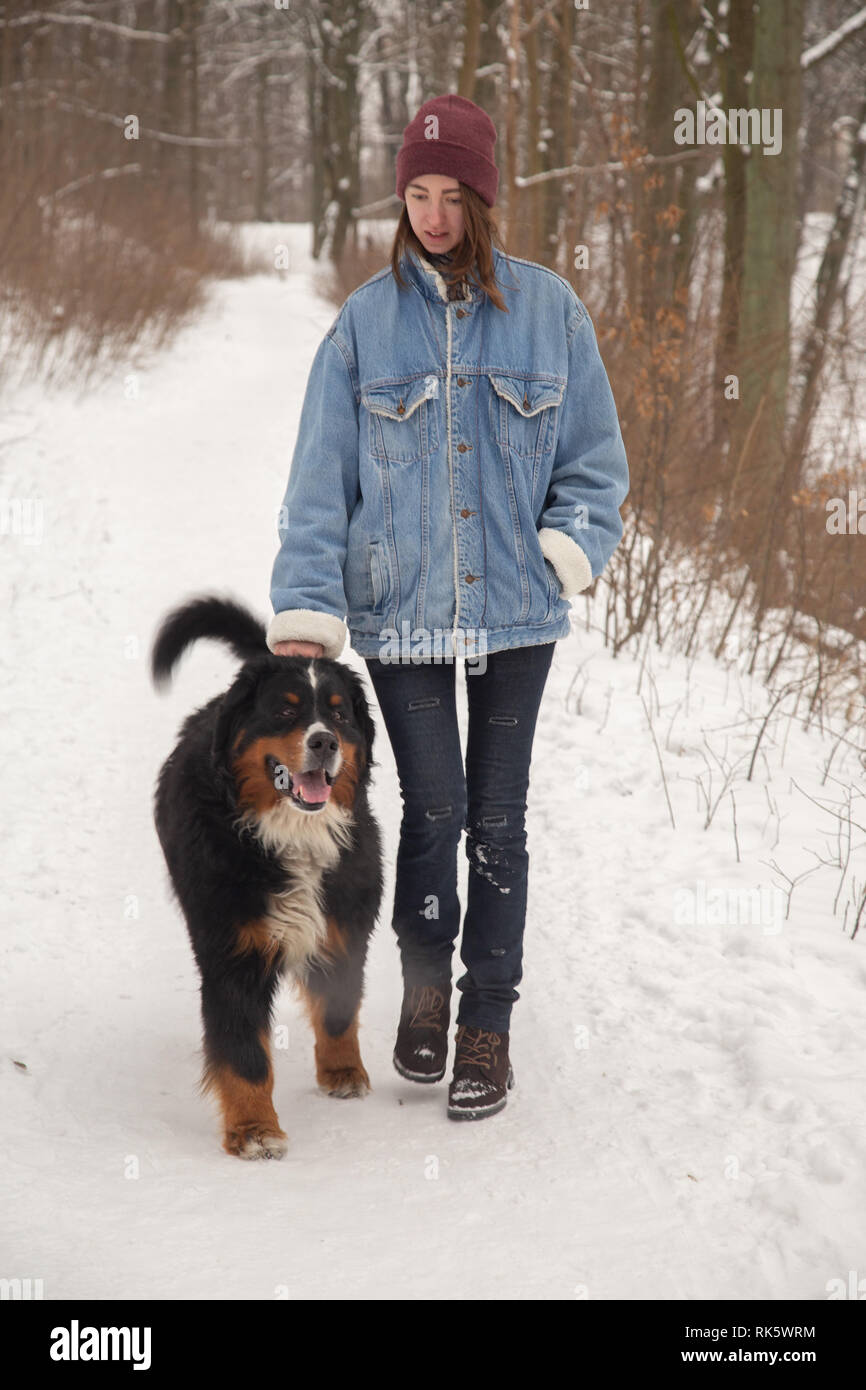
[441,799]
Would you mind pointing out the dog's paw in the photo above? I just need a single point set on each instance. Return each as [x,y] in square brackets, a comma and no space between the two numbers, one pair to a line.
[345,1082]
[255,1141]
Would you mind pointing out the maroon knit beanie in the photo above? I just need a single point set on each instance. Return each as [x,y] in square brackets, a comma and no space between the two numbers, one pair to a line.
[450,135]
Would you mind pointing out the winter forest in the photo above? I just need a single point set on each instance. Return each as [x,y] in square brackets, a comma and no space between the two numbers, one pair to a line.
[189,191]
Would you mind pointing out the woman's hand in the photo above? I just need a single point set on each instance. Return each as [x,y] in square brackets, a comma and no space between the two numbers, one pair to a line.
[299,649]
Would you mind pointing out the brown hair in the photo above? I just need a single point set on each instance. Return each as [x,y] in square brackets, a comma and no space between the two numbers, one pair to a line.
[473,254]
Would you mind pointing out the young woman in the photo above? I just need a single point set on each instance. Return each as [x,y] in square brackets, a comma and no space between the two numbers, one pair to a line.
[456,480]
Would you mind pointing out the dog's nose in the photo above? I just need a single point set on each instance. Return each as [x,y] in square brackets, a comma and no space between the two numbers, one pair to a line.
[323,743]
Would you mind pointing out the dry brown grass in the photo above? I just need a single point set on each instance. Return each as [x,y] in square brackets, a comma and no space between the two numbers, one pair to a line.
[362,260]
[91,275]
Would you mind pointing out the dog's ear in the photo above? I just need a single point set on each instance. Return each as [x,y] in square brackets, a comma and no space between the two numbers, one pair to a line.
[236,702]
[361,712]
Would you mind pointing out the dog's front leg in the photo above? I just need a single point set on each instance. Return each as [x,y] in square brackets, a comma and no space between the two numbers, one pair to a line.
[331,993]
[237,999]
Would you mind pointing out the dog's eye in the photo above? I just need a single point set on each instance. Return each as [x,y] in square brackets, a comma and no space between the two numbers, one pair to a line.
[338,715]
[288,712]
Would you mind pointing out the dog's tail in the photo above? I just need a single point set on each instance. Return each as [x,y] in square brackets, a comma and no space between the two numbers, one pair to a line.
[211,616]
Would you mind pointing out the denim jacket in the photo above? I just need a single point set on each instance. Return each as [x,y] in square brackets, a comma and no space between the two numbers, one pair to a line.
[458,471]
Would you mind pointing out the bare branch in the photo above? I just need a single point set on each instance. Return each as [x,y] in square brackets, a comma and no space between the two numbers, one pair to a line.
[824,47]
[88,178]
[78,108]
[89,22]
[661,764]
[613,166]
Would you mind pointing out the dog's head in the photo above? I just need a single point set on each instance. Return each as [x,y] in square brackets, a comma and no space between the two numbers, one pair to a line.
[293,738]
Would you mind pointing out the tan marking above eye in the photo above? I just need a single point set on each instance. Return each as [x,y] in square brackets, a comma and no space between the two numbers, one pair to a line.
[293,698]
[335,699]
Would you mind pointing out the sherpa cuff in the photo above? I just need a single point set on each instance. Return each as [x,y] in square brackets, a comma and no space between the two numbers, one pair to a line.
[308,625]
[572,566]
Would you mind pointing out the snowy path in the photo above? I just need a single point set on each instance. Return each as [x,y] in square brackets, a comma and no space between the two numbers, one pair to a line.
[688,1118]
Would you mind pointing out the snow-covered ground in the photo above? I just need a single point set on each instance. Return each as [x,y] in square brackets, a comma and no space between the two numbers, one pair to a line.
[688,1118]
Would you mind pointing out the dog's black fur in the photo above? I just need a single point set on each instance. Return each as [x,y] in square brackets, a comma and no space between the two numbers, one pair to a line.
[267,887]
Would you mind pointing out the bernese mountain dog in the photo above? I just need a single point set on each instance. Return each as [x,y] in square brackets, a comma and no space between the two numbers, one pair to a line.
[275,859]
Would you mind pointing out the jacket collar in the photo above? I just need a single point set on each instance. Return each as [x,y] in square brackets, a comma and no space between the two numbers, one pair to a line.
[418,271]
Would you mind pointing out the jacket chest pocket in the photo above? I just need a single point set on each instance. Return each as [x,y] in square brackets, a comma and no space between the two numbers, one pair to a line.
[523,412]
[401,419]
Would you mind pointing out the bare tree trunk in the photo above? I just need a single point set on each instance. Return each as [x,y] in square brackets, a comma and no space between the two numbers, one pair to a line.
[769,258]
[487,86]
[346,125]
[471,49]
[770,246]
[558,99]
[8,56]
[735,64]
[664,84]
[260,210]
[192,20]
[569,184]
[316,122]
[334,28]
[512,193]
[826,296]
[534,199]
[171,109]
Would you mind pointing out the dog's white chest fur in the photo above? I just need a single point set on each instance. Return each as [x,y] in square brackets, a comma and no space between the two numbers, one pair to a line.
[295,917]
[307,846]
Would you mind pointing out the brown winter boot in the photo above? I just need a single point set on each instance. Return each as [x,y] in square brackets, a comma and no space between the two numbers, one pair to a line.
[421,1050]
[482,1074]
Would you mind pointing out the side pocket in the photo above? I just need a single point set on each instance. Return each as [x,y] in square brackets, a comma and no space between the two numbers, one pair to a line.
[378,586]
[553,586]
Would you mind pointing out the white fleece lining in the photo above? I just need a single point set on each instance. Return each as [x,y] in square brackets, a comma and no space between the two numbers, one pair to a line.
[307,625]
[572,566]
[440,279]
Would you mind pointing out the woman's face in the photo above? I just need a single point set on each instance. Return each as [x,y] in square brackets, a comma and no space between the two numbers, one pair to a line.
[434,205]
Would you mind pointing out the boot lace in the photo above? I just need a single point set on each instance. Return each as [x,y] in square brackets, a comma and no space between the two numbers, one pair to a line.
[427,1008]
[476,1047]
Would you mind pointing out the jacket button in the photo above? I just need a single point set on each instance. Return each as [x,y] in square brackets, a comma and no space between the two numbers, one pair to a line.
[401,409]
[525,401]
[466,512]
[461,313]
[462,381]
[462,448]
[471,577]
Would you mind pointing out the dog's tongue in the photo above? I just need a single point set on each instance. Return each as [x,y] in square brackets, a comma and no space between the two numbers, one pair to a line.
[311,786]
